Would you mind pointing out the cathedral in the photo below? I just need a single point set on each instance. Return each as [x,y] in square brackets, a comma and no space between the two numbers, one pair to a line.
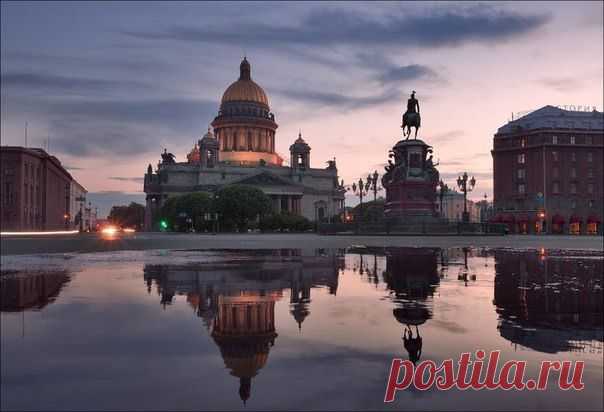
[239,148]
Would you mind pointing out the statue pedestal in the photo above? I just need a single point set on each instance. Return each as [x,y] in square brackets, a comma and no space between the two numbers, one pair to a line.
[411,182]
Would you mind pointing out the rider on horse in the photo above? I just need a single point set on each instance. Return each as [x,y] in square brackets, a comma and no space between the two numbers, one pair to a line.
[411,116]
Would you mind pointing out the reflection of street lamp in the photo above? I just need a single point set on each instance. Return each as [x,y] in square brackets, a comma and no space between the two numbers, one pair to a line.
[465,186]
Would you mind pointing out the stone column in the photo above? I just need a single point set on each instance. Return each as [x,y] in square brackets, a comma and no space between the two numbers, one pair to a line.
[290,205]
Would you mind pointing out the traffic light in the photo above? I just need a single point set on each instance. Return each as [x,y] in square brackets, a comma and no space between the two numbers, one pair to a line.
[163,224]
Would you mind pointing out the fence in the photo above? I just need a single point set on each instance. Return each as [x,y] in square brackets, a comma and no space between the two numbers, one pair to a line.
[418,228]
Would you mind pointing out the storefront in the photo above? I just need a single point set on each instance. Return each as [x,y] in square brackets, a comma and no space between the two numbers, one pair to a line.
[558,224]
[593,225]
[574,227]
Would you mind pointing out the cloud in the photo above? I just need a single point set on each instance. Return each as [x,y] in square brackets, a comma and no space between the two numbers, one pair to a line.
[84,127]
[50,83]
[447,136]
[397,74]
[479,176]
[562,84]
[128,179]
[435,27]
[340,101]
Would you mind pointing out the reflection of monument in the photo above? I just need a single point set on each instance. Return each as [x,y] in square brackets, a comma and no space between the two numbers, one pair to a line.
[412,275]
[236,300]
[411,178]
[549,304]
[30,291]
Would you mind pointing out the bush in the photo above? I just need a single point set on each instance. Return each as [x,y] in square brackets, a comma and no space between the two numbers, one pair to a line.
[285,222]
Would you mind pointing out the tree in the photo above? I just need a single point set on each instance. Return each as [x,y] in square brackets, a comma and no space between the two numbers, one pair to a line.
[132,215]
[372,211]
[240,204]
[183,212]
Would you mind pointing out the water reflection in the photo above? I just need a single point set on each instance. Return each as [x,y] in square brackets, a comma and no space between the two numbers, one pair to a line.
[21,291]
[237,301]
[549,304]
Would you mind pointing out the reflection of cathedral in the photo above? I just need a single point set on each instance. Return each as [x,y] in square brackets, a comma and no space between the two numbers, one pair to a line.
[236,300]
[30,291]
[241,150]
[549,304]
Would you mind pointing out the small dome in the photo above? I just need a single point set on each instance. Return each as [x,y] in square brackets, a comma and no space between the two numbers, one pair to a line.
[245,89]
[299,145]
[208,139]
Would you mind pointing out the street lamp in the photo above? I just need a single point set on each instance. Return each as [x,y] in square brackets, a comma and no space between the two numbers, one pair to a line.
[361,189]
[465,186]
[443,189]
[374,183]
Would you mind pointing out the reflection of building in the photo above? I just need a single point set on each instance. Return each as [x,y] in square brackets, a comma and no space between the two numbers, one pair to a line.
[547,172]
[236,299]
[241,150]
[549,304]
[30,291]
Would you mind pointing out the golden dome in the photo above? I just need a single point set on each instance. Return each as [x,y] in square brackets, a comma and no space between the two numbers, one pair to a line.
[245,89]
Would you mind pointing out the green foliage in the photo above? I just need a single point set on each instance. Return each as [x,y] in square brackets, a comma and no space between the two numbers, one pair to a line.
[284,222]
[132,215]
[372,211]
[239,205]
[194,206]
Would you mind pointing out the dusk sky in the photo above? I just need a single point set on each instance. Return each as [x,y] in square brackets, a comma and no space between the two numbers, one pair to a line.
[112,84]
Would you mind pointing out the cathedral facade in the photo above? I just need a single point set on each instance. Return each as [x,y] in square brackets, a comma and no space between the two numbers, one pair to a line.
[239,148]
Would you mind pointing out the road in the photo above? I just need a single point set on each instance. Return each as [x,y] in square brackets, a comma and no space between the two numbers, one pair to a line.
[146,241]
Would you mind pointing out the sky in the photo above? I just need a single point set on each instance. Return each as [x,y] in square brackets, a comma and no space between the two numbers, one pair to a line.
[106,86]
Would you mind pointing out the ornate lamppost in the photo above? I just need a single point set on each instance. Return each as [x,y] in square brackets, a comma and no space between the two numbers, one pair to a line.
[465,186]
[442,190]
[374,183]
[361,189]
[81,199]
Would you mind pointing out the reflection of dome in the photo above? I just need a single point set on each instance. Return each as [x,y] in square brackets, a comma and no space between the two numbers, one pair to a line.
[412,315]
[245,89]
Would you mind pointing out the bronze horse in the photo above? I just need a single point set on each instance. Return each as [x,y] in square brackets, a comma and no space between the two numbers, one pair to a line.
[410,120]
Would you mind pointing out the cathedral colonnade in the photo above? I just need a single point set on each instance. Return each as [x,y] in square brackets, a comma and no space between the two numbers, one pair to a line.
[287,204]
[242,139]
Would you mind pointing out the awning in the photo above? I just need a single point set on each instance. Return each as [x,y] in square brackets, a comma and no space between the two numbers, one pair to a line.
[523,218]
[508,218]
[575,219]
[593,219]
[557,220]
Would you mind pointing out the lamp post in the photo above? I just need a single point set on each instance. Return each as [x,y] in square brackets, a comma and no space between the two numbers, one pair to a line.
[81,199]
[361,189]
[465,186]
[443,189]
[374,183]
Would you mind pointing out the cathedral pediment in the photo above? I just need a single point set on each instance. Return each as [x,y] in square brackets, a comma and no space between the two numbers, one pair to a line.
[265,179]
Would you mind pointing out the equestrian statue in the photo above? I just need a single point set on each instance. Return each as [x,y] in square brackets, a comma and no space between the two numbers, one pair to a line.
[411,118]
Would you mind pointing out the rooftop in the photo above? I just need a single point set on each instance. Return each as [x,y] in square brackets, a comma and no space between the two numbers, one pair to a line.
[551,117]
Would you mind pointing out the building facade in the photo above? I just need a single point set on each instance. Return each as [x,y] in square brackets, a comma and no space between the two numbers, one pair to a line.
[77,200]
[35,190]
[547,172]
[452,207]
[241,150]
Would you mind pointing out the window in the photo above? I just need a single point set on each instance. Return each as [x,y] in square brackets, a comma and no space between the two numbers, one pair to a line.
[555,156]
[521,158]
[555,139]
[573,204]
[590,188]
[573,140]
[573,172]
[523,142]
[589,140]
[590,203]
[573,188]
[521,173]
[556,187]
[573,157]
[590,172]
[590,157]
[521,188]
[556,172]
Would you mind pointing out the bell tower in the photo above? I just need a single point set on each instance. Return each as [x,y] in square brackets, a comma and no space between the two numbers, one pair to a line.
[209,150]
[299,154]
